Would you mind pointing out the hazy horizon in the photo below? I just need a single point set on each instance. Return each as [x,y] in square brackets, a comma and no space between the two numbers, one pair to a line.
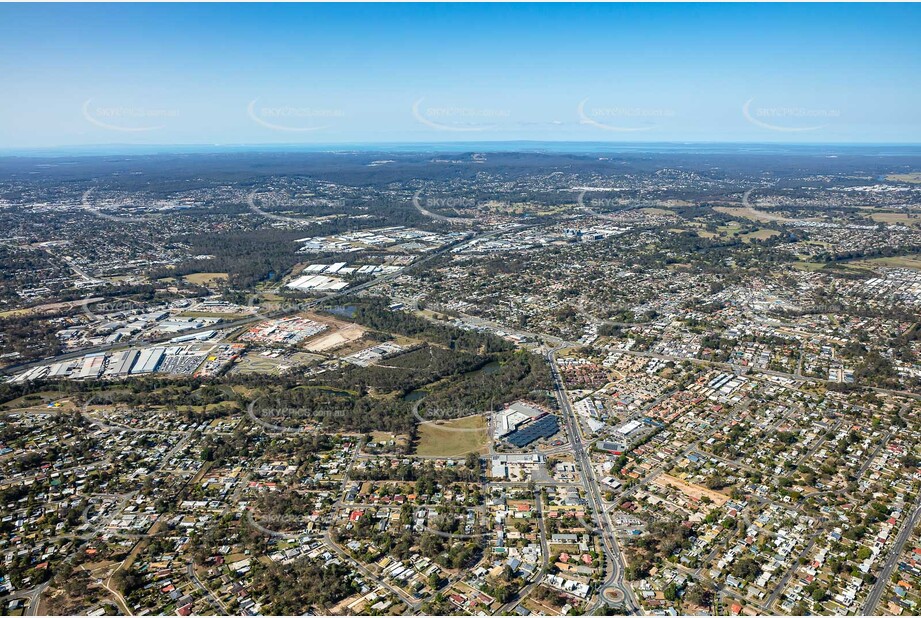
[167,74]
[498,146]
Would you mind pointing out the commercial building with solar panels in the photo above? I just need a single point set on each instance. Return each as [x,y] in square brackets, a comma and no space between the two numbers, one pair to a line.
[543,427]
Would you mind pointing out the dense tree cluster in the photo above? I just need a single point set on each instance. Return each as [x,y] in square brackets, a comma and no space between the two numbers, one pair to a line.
[292,587]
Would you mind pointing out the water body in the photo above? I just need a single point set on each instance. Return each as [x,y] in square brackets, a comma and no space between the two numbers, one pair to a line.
[416,395]
[487,369]
[347,311]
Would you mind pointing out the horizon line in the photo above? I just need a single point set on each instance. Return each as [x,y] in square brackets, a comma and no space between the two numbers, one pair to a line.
[378,146]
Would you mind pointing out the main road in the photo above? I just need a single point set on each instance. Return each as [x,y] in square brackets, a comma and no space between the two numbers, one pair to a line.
[545,558]
[616,580]
[876,593]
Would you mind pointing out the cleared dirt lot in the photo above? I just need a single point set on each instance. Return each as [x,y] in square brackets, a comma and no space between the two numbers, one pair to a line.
[689,489]
[331,340]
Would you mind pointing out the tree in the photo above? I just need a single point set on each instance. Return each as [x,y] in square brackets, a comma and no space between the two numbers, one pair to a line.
[671,592]
[746,569]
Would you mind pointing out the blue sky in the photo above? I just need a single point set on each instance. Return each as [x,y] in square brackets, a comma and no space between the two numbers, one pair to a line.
[356,73]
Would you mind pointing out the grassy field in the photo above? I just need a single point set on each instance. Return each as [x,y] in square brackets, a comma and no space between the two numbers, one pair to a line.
[441,438]
[205,278]
[914,177]
[730,228]
[244,390]
[896,217]
[900,261]
[384,436]
[658,211]
[734,228]
[808,266]
[34,400]
[15,313]
[761,234]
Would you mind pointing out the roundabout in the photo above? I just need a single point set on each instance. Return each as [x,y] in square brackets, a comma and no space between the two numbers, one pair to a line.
[613,596]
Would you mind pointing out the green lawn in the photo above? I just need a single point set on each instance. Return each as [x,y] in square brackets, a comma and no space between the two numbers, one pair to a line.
[452,438]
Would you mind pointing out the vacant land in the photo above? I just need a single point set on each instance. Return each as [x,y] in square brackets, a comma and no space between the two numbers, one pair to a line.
[689,489]
[257,363]
[454,437]
[50,307]
[335,339]
[749,213]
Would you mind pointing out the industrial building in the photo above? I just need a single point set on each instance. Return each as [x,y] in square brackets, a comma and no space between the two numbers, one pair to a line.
[628,428]
[148,361]
[543,427]
[92,366]
[320,283]
[516,414]
[121,362]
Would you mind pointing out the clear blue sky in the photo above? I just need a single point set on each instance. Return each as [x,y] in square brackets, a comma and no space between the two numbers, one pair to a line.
[317,74]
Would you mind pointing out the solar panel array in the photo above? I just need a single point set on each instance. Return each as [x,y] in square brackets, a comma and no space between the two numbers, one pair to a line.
[544,427]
